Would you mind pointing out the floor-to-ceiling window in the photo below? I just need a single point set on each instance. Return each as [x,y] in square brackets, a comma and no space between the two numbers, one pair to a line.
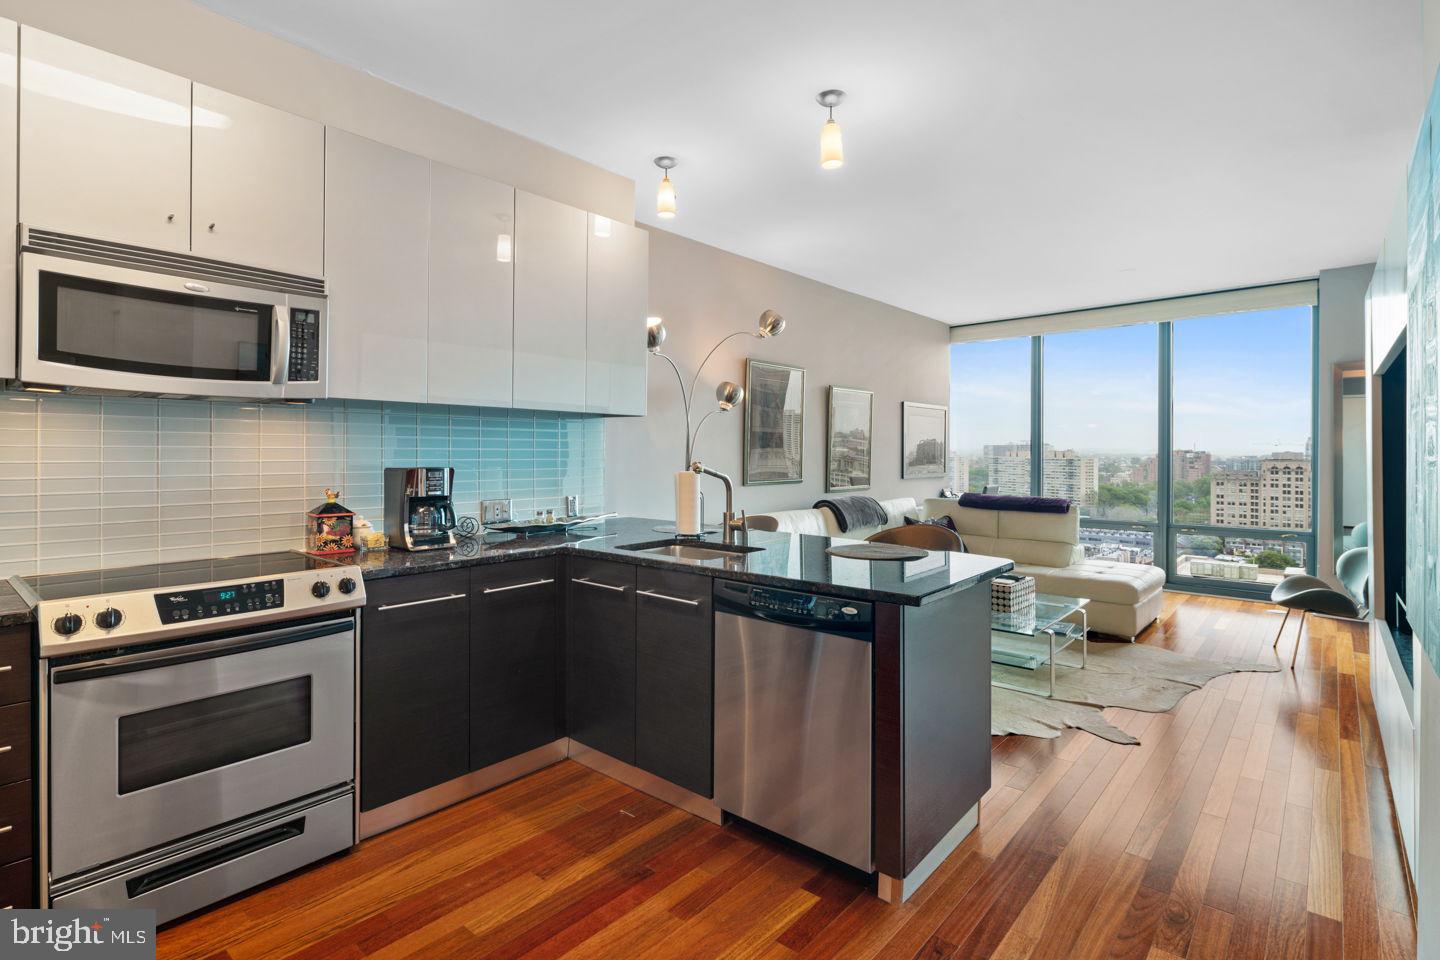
[1101,430]
[990,416]
[1242,410]
[1185,442]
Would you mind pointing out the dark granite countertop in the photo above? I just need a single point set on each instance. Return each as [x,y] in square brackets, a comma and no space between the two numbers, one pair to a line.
[787,560]
[14,609]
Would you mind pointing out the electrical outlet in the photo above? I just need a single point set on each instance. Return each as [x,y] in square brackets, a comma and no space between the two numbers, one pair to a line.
[495,511]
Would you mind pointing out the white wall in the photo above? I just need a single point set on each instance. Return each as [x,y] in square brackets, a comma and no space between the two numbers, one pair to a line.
[1354,477]
[1342,340]
[841,339]
[193,42]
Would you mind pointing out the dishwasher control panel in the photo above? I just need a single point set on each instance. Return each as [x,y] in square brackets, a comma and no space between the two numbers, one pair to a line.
[795,608]
[822,609]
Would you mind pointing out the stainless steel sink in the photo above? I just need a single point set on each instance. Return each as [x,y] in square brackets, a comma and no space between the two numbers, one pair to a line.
[693,552]
[681,551]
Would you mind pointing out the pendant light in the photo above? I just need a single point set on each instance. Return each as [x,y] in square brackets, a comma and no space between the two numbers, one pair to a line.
[665,195]
[832,152]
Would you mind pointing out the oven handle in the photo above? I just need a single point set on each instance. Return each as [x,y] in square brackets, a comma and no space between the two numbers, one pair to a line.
[156,659]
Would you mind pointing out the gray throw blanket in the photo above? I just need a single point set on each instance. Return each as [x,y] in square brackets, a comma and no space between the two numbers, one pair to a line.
[854,511]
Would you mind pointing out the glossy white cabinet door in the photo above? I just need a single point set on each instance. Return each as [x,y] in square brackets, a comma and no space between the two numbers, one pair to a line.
[377,228]
[617,299]
[104,144]
[472,293]
[258,188]
[550,255]
[9,103]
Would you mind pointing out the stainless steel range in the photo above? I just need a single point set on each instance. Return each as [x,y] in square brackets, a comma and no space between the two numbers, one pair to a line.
[197,727]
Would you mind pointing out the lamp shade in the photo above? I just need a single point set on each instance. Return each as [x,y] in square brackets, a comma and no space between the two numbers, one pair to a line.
[665,198]
[729,394]
[654,333]
[832,152]
[771,325]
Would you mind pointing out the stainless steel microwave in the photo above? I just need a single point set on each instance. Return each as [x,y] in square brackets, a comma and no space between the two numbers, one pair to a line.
[106,317]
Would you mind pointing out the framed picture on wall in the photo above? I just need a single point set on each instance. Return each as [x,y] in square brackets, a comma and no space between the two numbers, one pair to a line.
[924,429]
[774,442]
[850,440]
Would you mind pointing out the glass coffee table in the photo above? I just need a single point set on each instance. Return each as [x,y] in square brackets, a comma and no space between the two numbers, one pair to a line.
[1030,640]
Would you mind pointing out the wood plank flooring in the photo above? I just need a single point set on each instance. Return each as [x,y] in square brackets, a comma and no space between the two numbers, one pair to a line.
[1252,821]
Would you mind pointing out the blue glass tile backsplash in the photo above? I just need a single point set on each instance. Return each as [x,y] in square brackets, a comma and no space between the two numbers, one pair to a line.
[91,482]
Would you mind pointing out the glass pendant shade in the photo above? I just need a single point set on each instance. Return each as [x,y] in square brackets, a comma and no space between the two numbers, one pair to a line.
[832,153]
[665,198]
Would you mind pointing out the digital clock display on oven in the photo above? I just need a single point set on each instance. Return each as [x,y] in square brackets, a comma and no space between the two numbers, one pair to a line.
[180,606]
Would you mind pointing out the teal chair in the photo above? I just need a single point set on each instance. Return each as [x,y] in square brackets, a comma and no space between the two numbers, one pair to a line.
[1313,595]
[1359,536]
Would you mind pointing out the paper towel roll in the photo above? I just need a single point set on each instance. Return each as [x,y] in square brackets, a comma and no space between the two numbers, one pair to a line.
[688,522]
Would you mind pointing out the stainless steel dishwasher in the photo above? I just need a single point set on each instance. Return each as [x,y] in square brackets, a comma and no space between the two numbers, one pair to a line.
[792,715]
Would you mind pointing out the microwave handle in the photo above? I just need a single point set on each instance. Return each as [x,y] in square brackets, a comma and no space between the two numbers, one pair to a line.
[280,347]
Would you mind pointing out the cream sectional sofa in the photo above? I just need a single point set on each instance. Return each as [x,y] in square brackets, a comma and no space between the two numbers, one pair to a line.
[1124,598]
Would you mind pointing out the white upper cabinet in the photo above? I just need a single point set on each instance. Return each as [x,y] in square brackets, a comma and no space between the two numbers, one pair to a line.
[9,102]
[617,299]
[550,251]
[104,144]
[259,184]
[377,229]
[472,293]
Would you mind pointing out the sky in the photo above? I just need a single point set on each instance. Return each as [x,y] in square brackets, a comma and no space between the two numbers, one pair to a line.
[1242,385]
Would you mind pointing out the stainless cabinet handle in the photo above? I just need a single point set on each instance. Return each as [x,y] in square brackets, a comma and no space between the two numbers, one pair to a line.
[6,749]
[518,586]
[662,596]
[416,603]
[602,586]
[7,828]
[6,668]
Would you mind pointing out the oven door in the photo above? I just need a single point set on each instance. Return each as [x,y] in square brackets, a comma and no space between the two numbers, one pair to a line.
[150,747]
[105,327]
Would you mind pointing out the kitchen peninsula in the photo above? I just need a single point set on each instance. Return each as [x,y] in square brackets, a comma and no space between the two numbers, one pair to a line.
[575,646]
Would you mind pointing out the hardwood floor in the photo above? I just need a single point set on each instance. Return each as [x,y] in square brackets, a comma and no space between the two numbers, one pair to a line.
[1252,821]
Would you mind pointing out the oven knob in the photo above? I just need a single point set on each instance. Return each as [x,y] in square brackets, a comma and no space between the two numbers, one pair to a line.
[109,618]
[347,584]
[68,624]
[320,590]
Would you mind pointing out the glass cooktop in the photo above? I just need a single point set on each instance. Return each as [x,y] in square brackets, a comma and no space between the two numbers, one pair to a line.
[63,586]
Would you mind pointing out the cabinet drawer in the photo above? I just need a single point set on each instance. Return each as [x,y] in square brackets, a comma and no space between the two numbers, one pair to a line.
[440,594]
[15,665]
[14,743]
[15,814]
[17,885]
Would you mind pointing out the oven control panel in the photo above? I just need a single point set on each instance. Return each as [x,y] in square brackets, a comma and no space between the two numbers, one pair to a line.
[104,621]
[179,606]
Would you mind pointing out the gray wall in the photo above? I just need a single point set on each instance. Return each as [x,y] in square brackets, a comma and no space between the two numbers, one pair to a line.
[839,338]
[1342,340]
[193,42]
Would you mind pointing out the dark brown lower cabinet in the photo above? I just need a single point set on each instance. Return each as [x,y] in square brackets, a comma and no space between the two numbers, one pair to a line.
[17,768]
[414,685]
[674,678]
[515,659]
[600,656]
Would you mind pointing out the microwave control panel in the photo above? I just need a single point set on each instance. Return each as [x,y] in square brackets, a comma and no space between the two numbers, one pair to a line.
[223,601]
[304,346]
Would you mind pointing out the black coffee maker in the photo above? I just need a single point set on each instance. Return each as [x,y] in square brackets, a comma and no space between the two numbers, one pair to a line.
[418,511]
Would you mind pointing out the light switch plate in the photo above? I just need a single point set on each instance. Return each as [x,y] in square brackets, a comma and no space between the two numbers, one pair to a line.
[495,511]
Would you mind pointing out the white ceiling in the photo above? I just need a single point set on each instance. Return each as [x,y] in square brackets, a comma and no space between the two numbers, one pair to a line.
[1003,157]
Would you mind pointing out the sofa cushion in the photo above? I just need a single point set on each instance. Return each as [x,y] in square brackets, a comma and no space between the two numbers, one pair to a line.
[1044,527]
[1043,553]
[969,521]
[821,522]
[1106,581]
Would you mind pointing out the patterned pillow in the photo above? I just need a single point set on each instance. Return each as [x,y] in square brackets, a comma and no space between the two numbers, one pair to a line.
[941,521]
